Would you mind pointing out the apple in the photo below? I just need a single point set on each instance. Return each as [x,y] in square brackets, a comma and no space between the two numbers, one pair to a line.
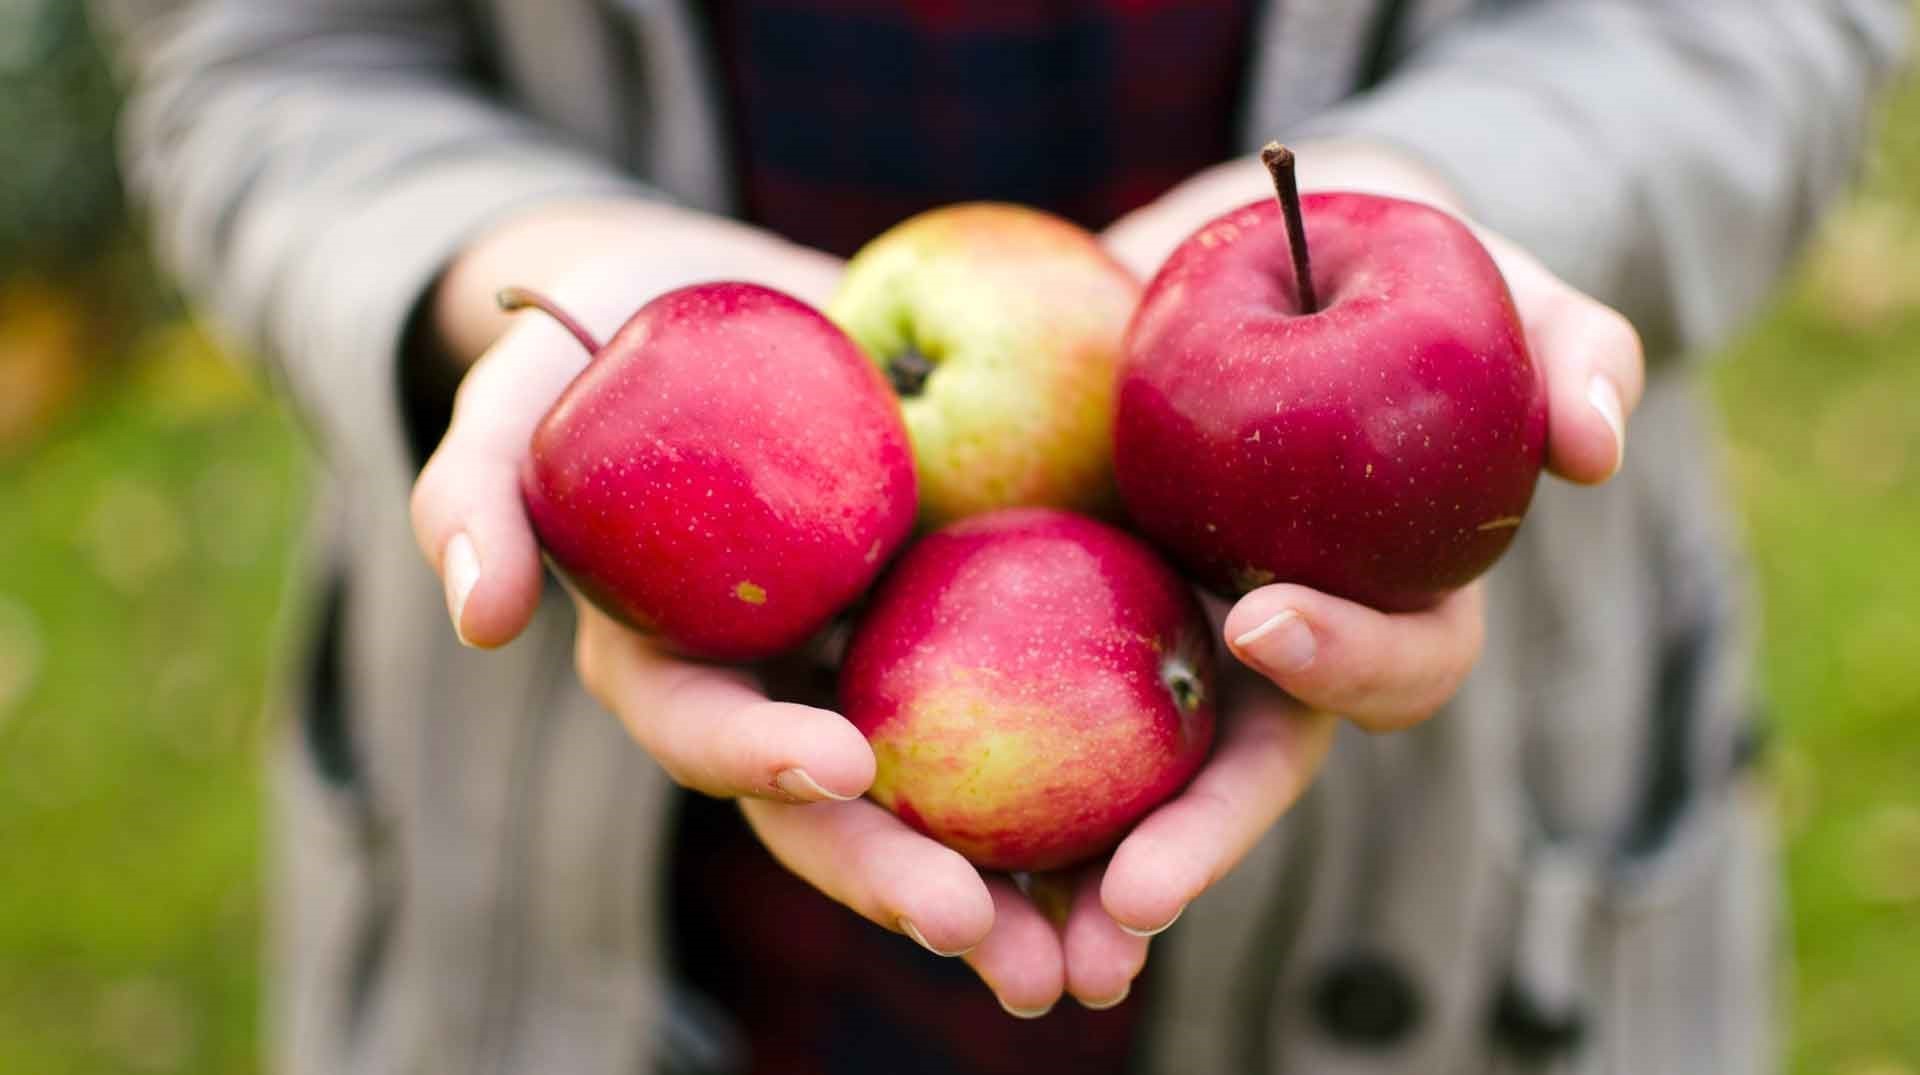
[726,474]
[1365,421]
[1032,682]
[1000,328]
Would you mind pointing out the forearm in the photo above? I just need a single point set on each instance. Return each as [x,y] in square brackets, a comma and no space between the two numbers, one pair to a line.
[1665,156]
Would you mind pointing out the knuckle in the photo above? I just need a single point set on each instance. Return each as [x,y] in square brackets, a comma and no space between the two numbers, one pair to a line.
[1549,307]
[465,392]
[1617,337]
[1356,684]
[424,500]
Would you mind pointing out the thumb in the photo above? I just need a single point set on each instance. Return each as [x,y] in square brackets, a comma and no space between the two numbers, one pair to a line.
[1591,357]
[467,512]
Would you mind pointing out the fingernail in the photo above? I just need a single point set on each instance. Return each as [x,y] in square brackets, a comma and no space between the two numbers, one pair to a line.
[797,784]
[1282,644]
[907,927]
[460,565]
[1605,398]
[1162,927]
[1103,1005]
[1025,1013]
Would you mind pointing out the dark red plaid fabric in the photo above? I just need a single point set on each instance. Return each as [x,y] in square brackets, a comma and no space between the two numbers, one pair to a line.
[817,990]
[851,115]
[848,116]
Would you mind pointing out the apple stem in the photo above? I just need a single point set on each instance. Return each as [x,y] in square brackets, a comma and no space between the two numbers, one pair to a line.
[1279,162]
[515,299]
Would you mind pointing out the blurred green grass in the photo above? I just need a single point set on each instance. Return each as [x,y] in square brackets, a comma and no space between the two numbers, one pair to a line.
[1821,402]
[147,540]
[146,552]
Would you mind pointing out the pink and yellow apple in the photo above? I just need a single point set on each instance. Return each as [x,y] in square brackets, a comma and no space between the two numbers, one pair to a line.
[1032,682]
[1000,328]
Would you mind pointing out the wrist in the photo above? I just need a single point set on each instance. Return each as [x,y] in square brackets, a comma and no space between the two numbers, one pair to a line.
[608,257]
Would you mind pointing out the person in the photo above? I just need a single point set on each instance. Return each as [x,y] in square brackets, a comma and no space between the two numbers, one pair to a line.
[1567,869]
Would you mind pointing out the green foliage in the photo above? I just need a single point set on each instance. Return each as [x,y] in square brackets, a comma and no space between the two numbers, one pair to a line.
[1820,401]
[60,203]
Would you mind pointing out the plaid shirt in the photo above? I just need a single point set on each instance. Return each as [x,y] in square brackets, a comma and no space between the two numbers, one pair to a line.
[848,116]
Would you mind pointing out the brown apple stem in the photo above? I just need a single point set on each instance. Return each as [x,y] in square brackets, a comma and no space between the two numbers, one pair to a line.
[1279,162]
[515,299]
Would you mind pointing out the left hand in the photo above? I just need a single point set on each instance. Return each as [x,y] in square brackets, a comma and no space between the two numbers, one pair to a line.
[1316,654]
[1382,671]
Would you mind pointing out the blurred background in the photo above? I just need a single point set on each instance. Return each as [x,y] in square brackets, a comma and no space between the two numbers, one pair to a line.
[150,496]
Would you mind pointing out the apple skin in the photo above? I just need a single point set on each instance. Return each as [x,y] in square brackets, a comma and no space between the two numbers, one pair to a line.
[726,474]
[1021,315]
[1383,449]
[1032,683]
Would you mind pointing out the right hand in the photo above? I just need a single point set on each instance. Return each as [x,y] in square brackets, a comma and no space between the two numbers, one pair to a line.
[601,262]
[712,729]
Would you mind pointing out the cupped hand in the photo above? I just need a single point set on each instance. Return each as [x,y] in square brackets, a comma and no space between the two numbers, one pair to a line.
[1305,654]
[1390,671]
[600,262]
[712,729]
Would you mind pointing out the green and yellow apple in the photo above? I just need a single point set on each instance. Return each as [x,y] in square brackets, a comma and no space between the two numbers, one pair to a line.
[1000,328]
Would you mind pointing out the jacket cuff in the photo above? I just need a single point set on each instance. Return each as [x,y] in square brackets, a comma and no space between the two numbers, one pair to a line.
[349,301]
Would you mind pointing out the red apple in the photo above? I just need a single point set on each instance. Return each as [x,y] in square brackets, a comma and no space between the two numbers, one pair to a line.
[726,474]
[1032,683]
[1379,441]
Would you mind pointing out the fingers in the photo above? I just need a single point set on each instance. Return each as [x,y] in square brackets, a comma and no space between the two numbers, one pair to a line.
[467,512]
[1269,750]
[1592,359]
[1595,375]
[1021,959]
[1102,959]
[1382,671]
[868,860]
[863,857]
[712,729]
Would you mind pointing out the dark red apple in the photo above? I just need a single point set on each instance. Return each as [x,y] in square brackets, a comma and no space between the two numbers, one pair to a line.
[1032,683]
[727,473]
[1379,440]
